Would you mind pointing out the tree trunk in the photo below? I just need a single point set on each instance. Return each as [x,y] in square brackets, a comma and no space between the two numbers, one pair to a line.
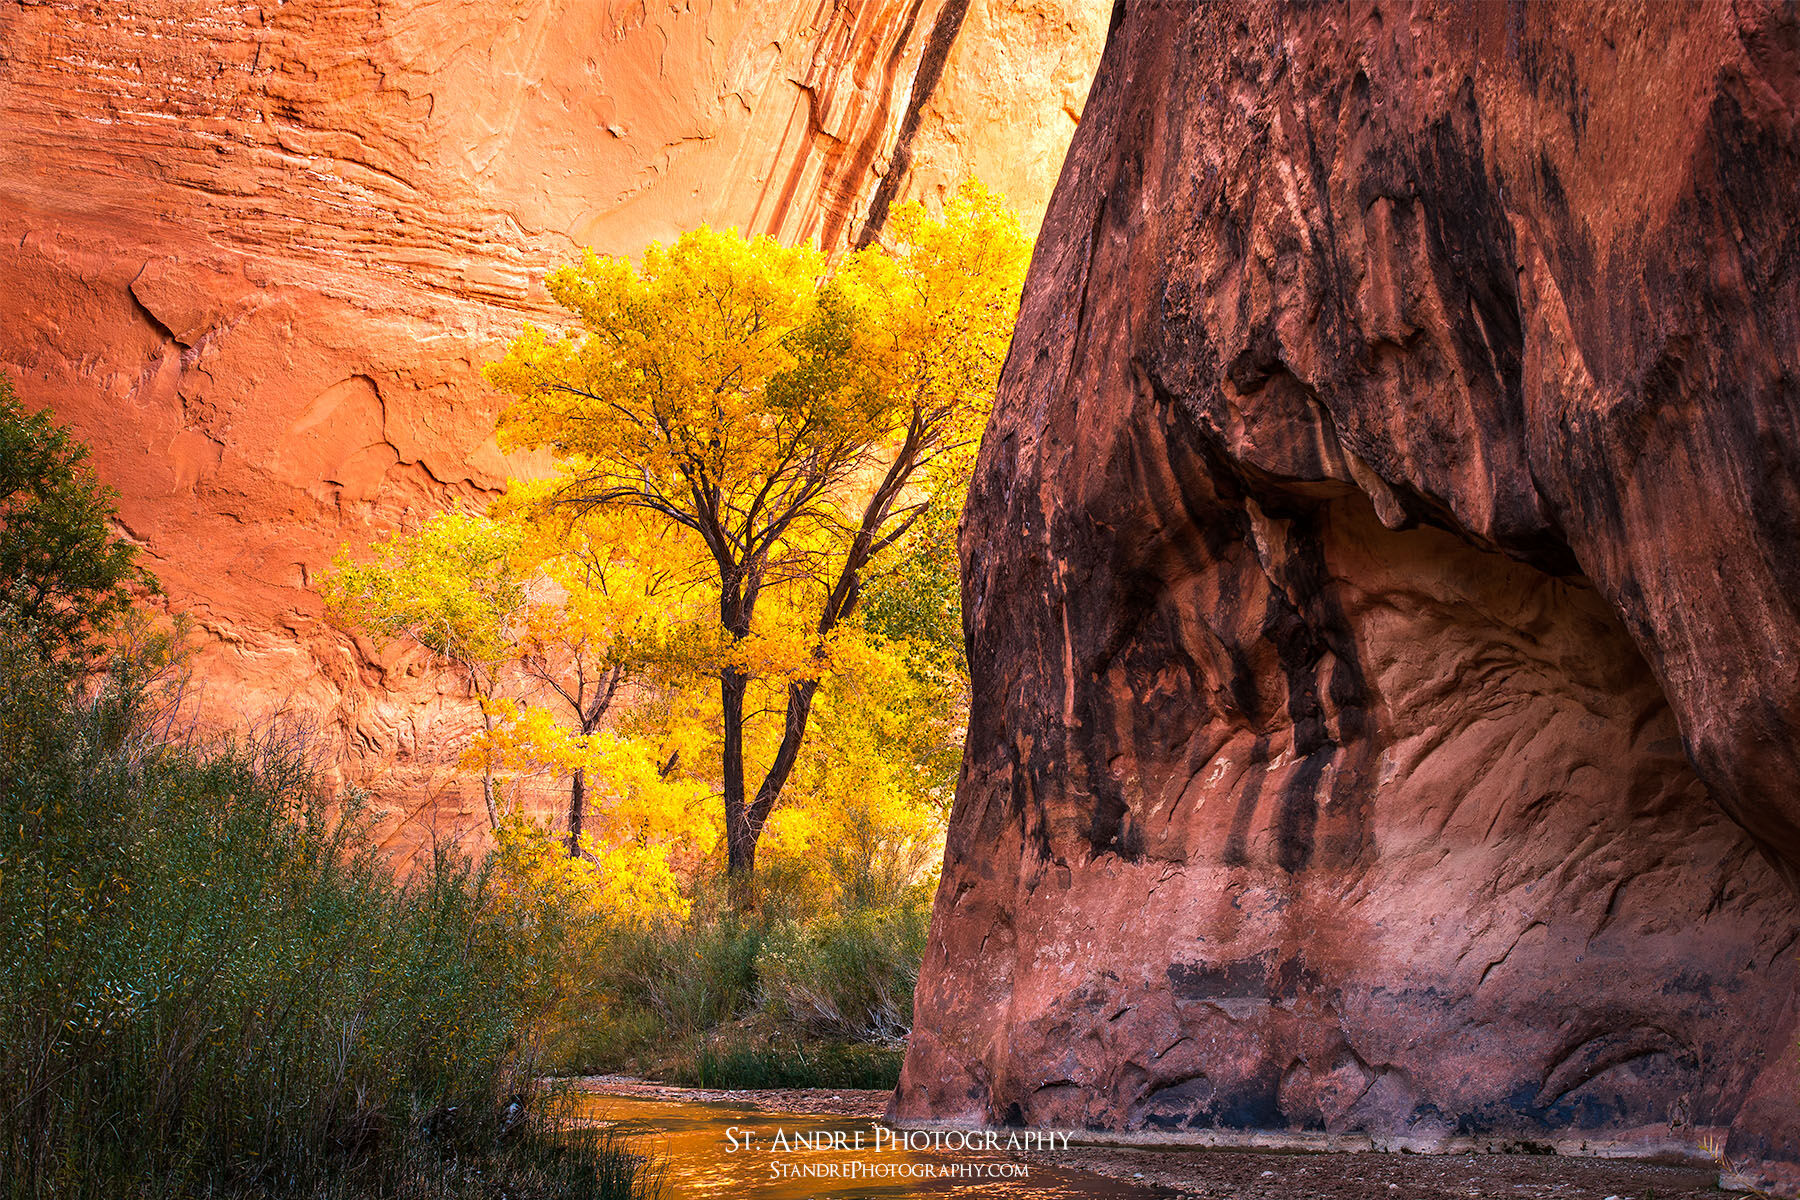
[590,718]
[799,707]
[740,840]
[577,794]
[487,769]
[737,603]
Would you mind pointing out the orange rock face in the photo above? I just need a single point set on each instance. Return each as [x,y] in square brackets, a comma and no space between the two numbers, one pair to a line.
[1380,579]
[255,252]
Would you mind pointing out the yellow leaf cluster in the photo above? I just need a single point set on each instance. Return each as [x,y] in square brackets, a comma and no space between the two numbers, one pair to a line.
[627,883]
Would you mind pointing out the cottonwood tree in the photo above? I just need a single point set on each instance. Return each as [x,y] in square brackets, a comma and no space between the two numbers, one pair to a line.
[456,588]
[525,605]
[608,610]
[780,415]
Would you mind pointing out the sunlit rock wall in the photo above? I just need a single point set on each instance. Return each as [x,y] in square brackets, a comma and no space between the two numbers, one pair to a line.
[256,253]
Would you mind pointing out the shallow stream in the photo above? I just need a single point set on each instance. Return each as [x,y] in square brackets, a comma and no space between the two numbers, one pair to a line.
[732,1150]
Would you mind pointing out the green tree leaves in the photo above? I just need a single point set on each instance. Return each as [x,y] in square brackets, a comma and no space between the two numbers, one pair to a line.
[65,578]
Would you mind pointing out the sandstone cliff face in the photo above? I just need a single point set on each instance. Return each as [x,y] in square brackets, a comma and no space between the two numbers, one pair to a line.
[255,252]
[1381,578]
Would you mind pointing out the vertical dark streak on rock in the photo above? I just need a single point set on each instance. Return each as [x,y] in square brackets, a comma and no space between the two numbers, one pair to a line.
[844,174]
[1236,853]
[931,70]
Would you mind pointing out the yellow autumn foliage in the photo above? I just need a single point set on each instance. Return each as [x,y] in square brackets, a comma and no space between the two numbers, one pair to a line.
[625,884]
[751,441]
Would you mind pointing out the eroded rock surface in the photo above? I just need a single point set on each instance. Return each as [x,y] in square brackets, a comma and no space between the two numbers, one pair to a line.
[1381,579]
[255,252]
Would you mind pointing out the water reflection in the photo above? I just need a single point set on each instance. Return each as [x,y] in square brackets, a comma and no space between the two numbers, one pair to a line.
[694,1141]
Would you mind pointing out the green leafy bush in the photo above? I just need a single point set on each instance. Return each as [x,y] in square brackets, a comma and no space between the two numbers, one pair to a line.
[766,995]
[64,577]
[849,975]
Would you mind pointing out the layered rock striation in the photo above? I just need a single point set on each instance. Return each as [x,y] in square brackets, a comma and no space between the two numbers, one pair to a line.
[1380,584]
[256,251]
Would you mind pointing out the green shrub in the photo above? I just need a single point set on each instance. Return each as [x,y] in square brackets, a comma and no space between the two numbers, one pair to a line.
[214,987]
[65,578]
[758,994]
[693,975]
[602,1038]
[847,976]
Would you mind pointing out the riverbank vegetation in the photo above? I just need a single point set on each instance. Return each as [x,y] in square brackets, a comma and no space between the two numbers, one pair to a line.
[728,622]
[770,995]
[213,986]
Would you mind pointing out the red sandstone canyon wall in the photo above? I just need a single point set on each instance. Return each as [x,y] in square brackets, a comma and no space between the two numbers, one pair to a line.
[1380,576]
[256,251]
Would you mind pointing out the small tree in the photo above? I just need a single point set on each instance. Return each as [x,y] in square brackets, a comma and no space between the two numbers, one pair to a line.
[524,604]
[456,589]
[65,578]
[606,611]
[778,416]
